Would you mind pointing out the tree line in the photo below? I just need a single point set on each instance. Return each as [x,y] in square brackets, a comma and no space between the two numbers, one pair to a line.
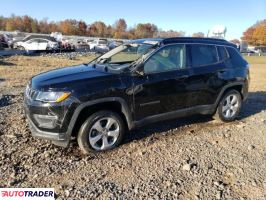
[256,34]
[119,29]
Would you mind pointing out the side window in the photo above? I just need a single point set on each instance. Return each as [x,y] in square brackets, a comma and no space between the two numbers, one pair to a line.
[42,41]
[235,58]
[32,41]
[168,58]
[223,55]
[203,55]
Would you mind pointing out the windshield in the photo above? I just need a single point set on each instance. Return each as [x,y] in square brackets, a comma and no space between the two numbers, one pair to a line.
[123,54]
[102,42]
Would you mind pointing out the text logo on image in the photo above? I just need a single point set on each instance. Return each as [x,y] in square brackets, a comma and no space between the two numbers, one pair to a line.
[27,193]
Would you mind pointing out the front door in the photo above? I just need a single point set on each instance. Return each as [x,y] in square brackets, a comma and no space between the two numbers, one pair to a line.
[32,44]
[42,44]
[162,89]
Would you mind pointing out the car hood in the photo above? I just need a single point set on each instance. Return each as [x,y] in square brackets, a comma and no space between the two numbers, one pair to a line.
[66,77]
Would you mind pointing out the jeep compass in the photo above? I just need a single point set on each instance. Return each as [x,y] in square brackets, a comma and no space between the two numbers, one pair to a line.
[142,81]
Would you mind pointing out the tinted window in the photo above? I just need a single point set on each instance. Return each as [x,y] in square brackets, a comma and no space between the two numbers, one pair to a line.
[223,55]
[102,42]
[203,55]
[168,58]
[235,58]
[42,41]
[32,40]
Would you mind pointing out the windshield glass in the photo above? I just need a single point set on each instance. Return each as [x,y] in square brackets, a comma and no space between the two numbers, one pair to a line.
[102,42]
[125,54]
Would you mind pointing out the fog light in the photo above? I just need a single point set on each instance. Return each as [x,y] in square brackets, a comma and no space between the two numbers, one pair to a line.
[45,121]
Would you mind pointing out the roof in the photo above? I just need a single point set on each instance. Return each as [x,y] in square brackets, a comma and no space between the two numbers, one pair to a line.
[39,37]
[197,40]
[147,39]
[186,40]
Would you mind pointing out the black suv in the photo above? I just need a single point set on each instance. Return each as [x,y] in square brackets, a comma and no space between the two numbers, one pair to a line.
[139,82]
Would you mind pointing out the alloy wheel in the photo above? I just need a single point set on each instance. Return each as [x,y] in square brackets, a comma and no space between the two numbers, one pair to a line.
[230,106]
[104,133]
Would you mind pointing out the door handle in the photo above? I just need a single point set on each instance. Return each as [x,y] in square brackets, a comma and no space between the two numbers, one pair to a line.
[182,77]
[222,70]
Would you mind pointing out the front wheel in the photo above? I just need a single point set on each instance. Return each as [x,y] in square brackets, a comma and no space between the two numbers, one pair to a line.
[103,130]
[229,106]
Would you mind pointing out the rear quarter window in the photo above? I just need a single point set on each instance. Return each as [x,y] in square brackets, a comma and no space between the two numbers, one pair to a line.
[222,53]
[236,59]
[202,55]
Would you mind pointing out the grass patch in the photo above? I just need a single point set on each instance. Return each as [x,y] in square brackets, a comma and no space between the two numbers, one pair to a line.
[256,59]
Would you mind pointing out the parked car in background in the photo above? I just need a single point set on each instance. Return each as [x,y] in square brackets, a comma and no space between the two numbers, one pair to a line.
[144,81]
[89,41]
[247,51]
[37,44]
[16,37]
[64,44]
[3,41]
[115,44]
[29,37]
[99,45]
[80,44]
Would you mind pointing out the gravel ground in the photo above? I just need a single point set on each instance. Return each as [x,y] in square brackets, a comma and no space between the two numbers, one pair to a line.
[193,158]
[70,55]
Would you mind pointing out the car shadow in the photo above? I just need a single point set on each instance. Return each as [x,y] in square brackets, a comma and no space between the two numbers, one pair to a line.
[164,127]
[255,103]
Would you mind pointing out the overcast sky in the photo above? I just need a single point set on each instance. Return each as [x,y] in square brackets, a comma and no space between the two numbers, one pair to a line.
[188,15]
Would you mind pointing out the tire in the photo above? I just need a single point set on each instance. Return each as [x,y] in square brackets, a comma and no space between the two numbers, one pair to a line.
[229,106]
[96,135]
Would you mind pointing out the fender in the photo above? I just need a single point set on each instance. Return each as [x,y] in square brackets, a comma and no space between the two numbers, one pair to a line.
[227,87]
[124,108]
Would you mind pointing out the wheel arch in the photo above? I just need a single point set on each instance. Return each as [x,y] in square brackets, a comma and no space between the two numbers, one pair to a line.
[115,104]
[239,86]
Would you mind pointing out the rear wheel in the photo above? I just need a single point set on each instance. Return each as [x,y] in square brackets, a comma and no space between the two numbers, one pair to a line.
[103,130]
[229,106]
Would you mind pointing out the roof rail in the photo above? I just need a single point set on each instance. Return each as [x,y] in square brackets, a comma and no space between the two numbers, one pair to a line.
[193,38]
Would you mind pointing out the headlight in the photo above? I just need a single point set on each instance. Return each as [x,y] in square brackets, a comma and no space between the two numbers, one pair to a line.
[52,97]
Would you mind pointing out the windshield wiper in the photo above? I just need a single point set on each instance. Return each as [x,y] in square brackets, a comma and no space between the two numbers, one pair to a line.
[94,65]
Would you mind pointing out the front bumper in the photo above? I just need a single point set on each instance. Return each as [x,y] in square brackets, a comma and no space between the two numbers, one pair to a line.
[50,121]
[60,139]
[36,132]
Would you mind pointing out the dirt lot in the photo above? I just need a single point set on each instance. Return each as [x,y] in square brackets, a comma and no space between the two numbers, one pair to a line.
[194,158]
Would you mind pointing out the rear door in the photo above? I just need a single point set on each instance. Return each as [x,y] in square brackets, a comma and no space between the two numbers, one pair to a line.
[205,81]
[32,44]
[42,44]
[163,87]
